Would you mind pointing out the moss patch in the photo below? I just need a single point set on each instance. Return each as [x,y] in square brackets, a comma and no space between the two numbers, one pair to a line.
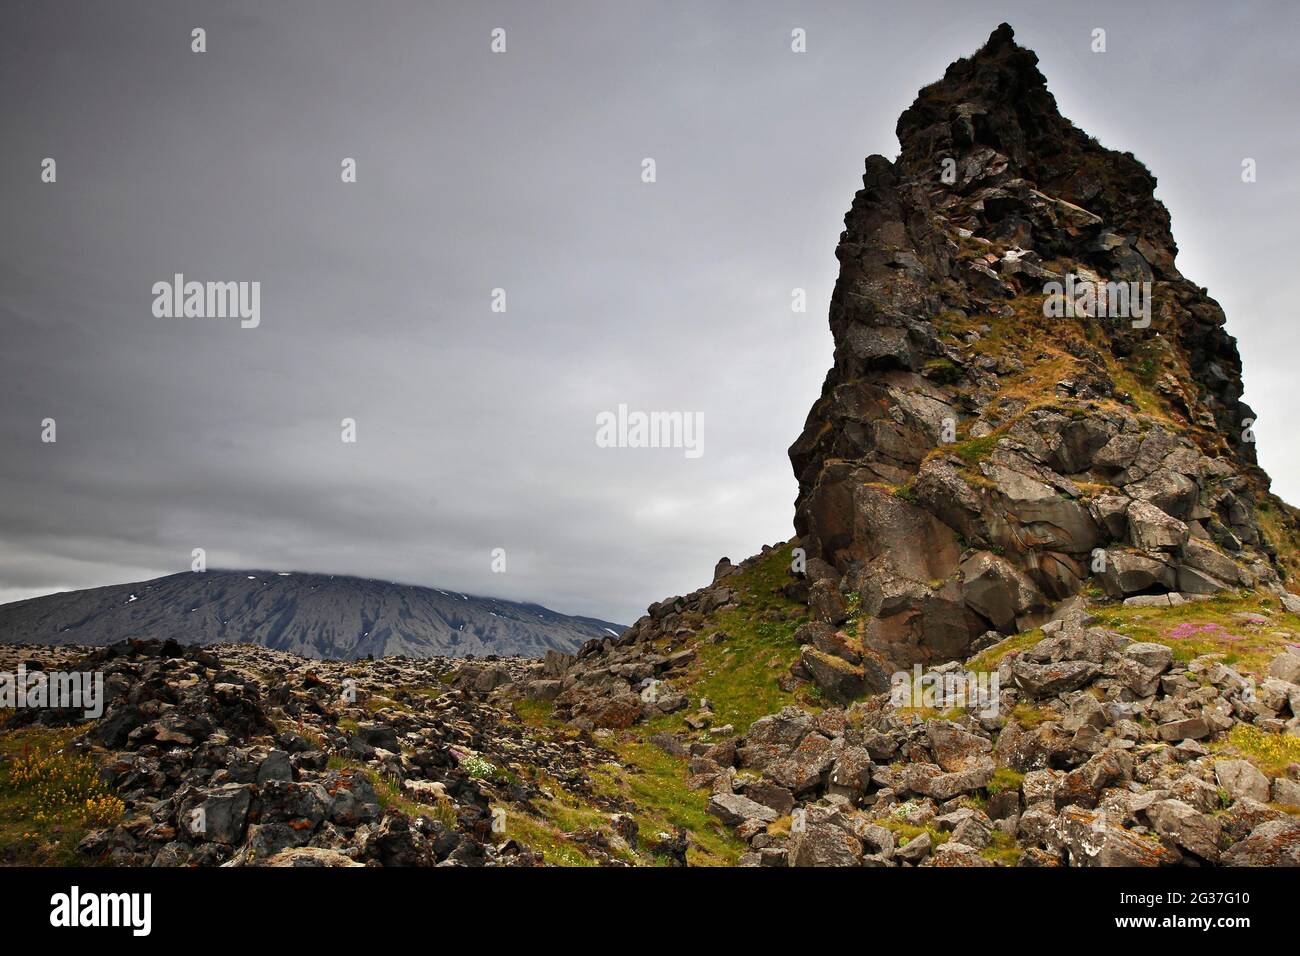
[1003,849]
[1005,780]
[990,658]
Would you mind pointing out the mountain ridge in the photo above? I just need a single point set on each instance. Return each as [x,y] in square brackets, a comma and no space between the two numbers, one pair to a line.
[314,615]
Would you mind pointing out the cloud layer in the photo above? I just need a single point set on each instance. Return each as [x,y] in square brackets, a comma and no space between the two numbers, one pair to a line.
[519,171]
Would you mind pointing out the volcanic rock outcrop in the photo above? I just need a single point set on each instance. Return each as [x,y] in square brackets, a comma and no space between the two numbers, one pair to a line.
[1030,456]
[1008,420]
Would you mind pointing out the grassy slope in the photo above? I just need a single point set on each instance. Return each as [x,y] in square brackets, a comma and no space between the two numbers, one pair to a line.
[1281,527]
[49,797]
[738,674]
[1245,630]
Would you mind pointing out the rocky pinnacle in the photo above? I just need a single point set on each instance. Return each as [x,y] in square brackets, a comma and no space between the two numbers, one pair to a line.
[990,440]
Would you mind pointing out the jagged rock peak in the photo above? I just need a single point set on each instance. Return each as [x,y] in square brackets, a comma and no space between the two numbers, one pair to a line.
[991,440]
[998,99]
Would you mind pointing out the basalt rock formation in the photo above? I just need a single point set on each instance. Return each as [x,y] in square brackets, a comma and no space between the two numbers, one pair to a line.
[983,448]
[1029,408]
[1039,609]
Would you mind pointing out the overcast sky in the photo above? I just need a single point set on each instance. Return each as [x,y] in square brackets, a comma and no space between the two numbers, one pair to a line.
[521,171]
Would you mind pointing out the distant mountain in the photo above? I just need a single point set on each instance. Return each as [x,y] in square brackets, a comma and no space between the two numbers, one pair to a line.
[314,615]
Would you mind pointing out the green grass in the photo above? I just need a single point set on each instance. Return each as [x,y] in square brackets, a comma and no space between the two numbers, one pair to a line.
[1003,849]
[545,838]
[1005,780]
[1189,630]
[655,782]
[534,712]
[1210,627]
[1271,753]
[974,450]
[906,492]
[49,797]
[907,832]
[1029,716]
[739,675]
[647,782]
[942,371]
[988,659]
[553,825]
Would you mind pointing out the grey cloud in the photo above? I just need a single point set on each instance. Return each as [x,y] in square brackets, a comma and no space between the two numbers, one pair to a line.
[476,430]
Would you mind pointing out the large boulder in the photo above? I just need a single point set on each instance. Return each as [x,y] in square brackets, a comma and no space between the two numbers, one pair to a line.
[1075,442]
[1172,493]
[839,680]
[804,767]
[1048,680]
[908,539]
[380,736]
[1197,833]
[1200,556]
[1274,843]
[997,590]
[218,814]
[734,809]
[1053,521]
[1286,667]
[1126,573]
[1096,838]
[618,712]
[1241,778]
[826,603]
[1150,529]
[1111,513]
[1085,785]
[353,800]
[822,842]
[1192,581]
[956,749]
[944,493]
